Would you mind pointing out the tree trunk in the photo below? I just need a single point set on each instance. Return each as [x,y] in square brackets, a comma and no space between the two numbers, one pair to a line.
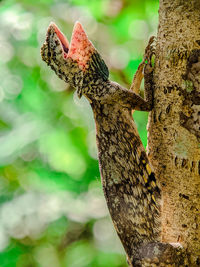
[174,123]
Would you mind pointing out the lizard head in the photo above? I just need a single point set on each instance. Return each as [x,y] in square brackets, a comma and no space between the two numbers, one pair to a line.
[78,62]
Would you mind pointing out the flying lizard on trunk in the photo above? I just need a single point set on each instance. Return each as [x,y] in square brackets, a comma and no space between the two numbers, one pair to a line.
[131,190]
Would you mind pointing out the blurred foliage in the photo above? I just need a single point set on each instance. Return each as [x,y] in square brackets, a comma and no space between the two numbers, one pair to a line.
[52,210]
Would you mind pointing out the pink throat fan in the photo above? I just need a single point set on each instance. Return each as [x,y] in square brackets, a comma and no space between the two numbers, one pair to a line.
[79,49]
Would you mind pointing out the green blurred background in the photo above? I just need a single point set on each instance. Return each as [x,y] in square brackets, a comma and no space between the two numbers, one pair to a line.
[52,209]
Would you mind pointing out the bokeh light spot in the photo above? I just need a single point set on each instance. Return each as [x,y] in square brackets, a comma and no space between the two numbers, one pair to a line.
[6,52]
[138,29]
[119,57]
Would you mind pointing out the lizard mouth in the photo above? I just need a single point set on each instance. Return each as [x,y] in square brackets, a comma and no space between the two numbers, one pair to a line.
[61,37]
[77,61]
[79,49]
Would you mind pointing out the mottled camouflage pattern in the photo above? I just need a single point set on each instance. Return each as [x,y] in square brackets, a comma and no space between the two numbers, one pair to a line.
[130,187]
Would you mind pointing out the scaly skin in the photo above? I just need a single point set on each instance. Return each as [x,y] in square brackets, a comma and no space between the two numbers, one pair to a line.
[130,187]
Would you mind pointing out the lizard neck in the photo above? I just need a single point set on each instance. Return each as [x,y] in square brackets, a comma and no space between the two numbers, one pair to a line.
[129,184]
[95,89]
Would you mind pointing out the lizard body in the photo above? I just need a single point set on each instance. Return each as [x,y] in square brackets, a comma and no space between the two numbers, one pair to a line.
[129,184]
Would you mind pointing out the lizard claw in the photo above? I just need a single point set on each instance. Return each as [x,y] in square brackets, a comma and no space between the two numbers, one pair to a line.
[150,51]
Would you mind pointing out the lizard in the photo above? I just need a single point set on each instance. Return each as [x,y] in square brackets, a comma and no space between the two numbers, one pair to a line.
[130,187]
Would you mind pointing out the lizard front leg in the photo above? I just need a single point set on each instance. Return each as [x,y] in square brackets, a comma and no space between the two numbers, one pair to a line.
[131,98]
[145,70]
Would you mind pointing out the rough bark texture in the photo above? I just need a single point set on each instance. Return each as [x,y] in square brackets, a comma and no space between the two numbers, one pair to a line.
[174,124]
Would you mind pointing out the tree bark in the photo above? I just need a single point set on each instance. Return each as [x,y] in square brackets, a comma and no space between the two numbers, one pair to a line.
[174,123]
